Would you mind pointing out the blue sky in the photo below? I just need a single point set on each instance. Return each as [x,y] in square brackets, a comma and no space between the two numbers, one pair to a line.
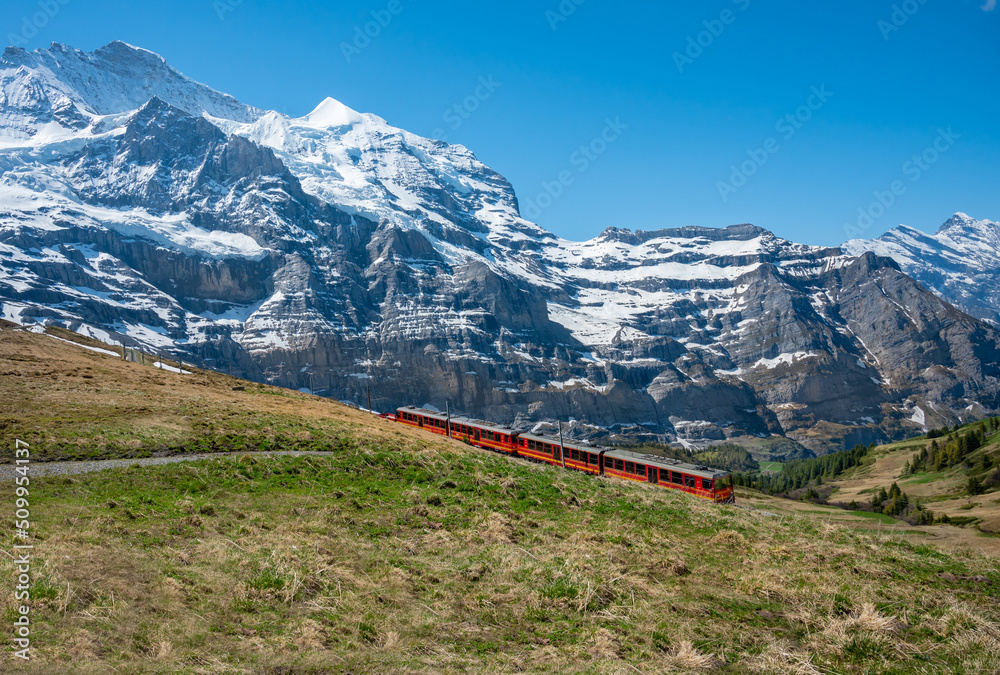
[889,99]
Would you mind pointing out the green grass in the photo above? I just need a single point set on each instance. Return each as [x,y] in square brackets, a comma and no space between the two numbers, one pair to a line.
[880,517]
[397,551]
[383,557]
[774,467]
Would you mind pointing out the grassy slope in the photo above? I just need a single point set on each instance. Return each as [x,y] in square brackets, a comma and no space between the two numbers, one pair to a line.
[403,551]
[76,404]
[942,492]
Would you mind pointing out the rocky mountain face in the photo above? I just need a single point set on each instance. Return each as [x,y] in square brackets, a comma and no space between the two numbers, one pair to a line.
[960,262]
[337,252]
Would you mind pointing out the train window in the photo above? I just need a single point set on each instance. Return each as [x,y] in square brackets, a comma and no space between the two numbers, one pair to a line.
[640,470]
[531,445]
[706,483]
[609,463]
[629,467]
[619,465]
[689,481]
[676,478]
[574,454]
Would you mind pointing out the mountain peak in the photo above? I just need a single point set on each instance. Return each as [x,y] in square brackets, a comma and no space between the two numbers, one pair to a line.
[117,50]
[331,113]
[115,78]
[743,232]
[963,223]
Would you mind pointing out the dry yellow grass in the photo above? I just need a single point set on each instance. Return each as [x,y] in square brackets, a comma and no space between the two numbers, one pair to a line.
[406,552]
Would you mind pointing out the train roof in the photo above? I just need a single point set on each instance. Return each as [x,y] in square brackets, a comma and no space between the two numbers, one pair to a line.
[457,419]
[667,463]
[554,439]
[437,414]
[480,424]
[627,455]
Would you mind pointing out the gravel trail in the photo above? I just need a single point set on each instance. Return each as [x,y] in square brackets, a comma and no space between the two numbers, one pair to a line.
[40,469]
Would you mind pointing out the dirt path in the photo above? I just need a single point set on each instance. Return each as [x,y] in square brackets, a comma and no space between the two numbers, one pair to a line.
[40,469]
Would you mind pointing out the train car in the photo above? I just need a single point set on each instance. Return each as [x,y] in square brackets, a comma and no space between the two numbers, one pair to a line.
[484,434]
[545,448]
[540,448]
[700,481]
[582,458]
[434,421]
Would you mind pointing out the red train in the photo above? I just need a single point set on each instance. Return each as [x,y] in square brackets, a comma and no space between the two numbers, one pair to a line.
[700,481]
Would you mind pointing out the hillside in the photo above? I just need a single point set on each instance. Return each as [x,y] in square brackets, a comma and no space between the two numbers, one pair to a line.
[78,403]
[959,261]
[943,488]
[334,250]
[400,551]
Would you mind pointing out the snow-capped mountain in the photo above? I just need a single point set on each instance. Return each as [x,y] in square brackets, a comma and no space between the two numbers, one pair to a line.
[960,262]
[337,251]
